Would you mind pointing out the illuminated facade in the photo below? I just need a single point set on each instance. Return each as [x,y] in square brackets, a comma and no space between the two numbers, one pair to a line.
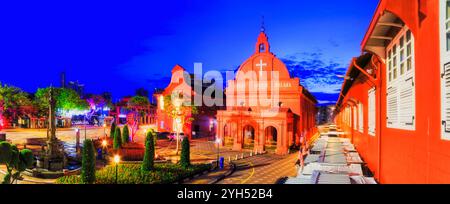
[252,122]
[394,103]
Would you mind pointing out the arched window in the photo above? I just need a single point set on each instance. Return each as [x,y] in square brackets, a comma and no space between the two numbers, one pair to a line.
[262,47]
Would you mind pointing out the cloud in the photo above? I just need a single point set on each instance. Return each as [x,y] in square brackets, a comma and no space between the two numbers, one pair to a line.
[318,75]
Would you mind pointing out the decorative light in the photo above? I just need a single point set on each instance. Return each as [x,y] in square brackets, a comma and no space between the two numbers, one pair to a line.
[218,140]
[116,159]
[104,143]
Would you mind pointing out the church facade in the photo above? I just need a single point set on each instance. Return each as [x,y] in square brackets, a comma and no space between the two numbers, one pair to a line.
[266,109]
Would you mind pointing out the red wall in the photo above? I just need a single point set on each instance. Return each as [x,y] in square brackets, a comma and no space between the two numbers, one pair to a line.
[418,156]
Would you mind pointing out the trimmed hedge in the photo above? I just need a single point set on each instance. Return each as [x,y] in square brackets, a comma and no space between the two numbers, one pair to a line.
[117,144]
[149,156]
[132,174]
[113,130]
[125,135]
[185,157]
[88,162]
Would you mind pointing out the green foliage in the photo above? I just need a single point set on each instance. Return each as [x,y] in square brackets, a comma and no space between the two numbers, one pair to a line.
[16,161]
[66,100]
[185,110]
[88,162]
[185,160]
[149,156]
[117,139]
[132,174]
[12,98]
[138,101]
[113,130]
[125,134]
[5,152]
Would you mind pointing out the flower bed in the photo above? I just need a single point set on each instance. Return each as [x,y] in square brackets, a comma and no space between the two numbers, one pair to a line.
[131,174]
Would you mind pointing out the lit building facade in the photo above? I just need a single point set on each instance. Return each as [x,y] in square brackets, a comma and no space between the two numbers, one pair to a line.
[395,101]
[252,122]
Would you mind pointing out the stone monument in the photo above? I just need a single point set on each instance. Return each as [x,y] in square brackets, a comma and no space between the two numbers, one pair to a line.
[52,158]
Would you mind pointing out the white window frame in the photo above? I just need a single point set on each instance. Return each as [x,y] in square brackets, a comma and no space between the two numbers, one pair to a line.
[360,117]
[371,112]
[399,75]
[444,30]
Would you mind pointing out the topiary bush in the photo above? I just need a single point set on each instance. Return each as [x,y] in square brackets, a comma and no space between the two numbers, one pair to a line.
[117,139]
[149,156]
[113,130]
[125,134]
[185,157]
[88,162]
[16,161]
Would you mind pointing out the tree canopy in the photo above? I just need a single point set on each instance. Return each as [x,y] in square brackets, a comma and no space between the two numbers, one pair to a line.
[66,100]
[12,98]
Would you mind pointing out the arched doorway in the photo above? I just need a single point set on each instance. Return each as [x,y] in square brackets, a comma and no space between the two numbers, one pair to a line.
[271,137]
[228,136]
[249,137]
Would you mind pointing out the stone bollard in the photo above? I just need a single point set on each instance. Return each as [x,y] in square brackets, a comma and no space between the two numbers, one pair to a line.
[251,153]
[229,158]
[236,157]
[242,156]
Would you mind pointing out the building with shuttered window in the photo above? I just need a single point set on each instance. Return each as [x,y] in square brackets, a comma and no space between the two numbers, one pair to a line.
[395,100]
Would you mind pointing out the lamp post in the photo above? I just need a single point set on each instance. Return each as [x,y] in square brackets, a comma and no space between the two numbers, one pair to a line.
[104,130]
[116,163]
[104,145]
[218,142]
[177,103]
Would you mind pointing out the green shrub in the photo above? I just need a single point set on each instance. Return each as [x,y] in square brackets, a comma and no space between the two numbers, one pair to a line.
[149,156]
[88,162]
[126,134]
[117,139]
[185,160]
[14,160]
[113,130]
[5,152]
[131,174]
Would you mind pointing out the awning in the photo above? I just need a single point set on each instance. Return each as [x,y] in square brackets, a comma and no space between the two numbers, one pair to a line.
[386,28]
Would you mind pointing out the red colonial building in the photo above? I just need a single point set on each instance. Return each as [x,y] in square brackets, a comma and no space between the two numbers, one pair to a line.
[194,125]
[265,107]
[395,101]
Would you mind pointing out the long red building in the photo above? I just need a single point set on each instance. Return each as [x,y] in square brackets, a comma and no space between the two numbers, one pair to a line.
[395,101]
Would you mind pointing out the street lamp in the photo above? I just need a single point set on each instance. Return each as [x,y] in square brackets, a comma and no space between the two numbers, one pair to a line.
[104,130]
[104,145]
[218,142]
[116,163]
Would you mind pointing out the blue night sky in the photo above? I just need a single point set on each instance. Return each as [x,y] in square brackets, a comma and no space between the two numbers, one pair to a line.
[119,47]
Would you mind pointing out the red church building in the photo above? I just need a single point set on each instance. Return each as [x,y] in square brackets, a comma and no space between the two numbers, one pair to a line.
[260,125]
[395,101]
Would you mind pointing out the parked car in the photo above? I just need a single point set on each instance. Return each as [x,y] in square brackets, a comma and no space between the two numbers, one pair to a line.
[173,136]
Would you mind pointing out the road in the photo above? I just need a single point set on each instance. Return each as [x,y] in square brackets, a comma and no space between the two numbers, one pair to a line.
[262,169]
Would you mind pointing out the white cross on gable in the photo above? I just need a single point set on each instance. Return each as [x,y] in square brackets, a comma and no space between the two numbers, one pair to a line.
[261,65]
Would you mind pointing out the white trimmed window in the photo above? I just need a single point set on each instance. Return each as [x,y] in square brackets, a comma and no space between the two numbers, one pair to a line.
[400,83]
[445,67]
[360,118]
[371,112]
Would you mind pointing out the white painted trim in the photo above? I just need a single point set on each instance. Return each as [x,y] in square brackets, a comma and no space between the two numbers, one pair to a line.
[444,60]
[399,83]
